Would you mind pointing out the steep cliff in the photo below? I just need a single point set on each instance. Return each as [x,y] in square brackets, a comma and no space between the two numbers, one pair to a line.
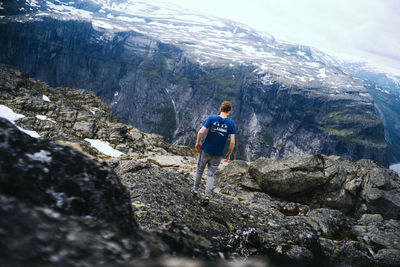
[154,87]
[286,100]
[385,89]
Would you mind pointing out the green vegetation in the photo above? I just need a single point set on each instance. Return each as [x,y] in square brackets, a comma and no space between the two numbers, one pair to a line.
[339,132]
[168,123]
[220,82]
[356,124]
[240,149]
[354,134]
[149,68]
[267,138]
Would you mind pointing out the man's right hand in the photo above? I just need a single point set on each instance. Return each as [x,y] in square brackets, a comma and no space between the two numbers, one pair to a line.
[197,147]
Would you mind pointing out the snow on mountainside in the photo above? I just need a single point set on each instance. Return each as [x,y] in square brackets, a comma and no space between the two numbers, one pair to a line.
[208,39]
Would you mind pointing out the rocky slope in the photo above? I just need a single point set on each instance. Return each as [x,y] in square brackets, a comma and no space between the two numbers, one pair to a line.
[164,74]
[136,209]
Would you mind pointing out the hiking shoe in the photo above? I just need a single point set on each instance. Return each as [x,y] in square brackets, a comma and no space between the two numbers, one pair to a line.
[205,201]
[193,193]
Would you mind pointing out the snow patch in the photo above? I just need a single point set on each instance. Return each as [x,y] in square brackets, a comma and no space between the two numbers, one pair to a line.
[394,79]
[69,10]
[46,98]
[44,118]
[31,133]
[41,117]
[249,50]
[104,147]
[93,110]
[42,14]
[322,73]
[395,167]
[312,64]
[102,24]
[33,3]
[10,115]
[43,156]
[128,19]
[302,54]
[302,78]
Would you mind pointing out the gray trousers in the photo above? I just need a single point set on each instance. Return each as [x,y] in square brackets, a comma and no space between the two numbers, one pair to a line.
[212,162]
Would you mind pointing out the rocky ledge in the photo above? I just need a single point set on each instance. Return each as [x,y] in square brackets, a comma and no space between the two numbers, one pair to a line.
[62,207]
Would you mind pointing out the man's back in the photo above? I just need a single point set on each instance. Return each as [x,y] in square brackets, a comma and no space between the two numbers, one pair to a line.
[218,131]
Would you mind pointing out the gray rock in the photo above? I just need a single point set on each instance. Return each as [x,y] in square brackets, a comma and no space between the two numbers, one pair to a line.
[236,173]
[357,188]
[388,257]
[300,254]
[328,222]
[370,219]
[346,252]
[284,178]
[61,208]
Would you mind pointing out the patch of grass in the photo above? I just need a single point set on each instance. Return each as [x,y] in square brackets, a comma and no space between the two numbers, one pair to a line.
[339,132]
[267,138]
[168,123]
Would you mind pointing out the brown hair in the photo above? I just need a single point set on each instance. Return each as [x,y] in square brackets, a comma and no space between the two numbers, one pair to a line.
[225,107]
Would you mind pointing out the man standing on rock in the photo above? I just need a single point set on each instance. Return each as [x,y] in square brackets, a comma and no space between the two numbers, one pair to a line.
[211,151]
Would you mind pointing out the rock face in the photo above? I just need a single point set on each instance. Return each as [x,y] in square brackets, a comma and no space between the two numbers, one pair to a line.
[58,182]
[60,207]
[361,187]
[385,89]
[158,88]
[73,115]
[245,222]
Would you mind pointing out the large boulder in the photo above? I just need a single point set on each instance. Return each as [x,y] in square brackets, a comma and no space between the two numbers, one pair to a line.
[42,173]
[330,181]
[59,207]
[236,172]
[284,178]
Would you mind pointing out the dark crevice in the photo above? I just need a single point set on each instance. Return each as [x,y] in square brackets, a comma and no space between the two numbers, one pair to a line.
[343,233]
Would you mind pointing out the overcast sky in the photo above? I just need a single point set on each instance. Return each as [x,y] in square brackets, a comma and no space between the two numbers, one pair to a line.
[368,29]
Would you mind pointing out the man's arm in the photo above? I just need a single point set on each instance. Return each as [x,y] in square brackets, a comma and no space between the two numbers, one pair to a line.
[231,146]
[199,135]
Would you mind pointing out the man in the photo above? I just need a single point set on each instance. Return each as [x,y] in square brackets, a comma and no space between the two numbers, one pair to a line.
[211,151]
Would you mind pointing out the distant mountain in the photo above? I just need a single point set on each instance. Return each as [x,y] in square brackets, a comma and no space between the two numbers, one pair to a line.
[385,89]
[164,69]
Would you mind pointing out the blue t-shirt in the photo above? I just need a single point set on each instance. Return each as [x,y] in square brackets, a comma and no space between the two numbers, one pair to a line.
[218,131]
